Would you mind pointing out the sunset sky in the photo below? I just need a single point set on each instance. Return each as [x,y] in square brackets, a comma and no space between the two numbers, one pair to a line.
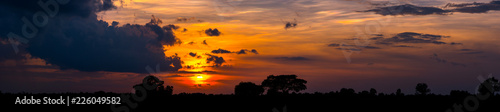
[110,45]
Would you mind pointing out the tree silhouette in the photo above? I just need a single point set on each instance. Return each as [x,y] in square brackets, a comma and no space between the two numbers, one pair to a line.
[422,89]
[248,89]
[399,93]
[489,85]
[373,91]
[168,90]
[283,84]
[347,91]
[155,86]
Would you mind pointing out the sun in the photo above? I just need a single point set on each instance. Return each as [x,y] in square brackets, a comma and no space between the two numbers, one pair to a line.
[199,77]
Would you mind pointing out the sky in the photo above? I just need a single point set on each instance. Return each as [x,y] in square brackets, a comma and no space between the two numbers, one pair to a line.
[209,46]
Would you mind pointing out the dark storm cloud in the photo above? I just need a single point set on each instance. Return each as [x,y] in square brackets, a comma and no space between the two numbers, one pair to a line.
[106,5]
[75,39]
[212,32]
[8,53]
[449,8]
[298,58]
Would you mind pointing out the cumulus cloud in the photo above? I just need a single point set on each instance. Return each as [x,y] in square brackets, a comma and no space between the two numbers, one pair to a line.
[192,54]
[220,51]
[75,39]
[290,24]
[212,32]
[254,51]
[242,51]
[215,60]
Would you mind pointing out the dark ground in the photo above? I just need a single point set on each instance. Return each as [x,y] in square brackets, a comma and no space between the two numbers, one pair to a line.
[318,102]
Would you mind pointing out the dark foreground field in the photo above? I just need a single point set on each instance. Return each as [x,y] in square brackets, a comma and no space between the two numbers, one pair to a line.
[317,102]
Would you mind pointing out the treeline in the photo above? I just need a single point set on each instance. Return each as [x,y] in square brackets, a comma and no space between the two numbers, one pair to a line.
[277,93]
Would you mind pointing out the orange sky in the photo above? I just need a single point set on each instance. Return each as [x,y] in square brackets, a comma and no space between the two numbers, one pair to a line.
[260,25]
